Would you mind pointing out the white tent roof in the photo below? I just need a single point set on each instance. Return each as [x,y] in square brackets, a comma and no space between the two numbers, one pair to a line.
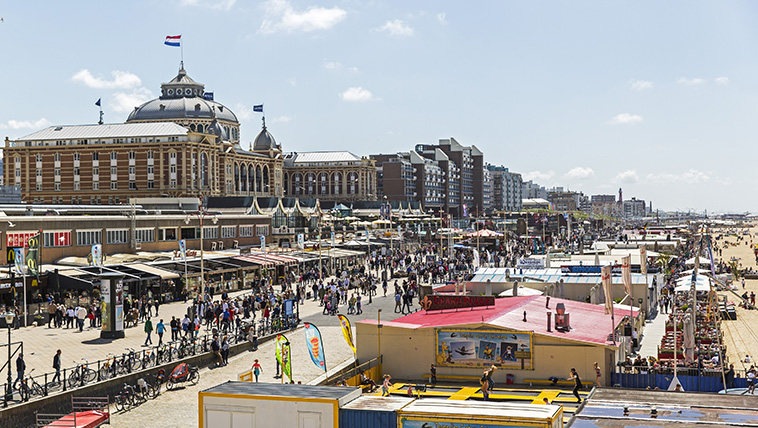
[699,286]
[703,261]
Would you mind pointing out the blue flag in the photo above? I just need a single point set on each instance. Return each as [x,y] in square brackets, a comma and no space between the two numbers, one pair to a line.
[208,96]
[258,108]
[98,102]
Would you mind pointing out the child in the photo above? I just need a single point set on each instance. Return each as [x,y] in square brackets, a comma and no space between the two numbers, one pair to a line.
[257,369]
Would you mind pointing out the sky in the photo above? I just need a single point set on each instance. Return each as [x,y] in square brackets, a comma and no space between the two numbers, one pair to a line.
[657,98]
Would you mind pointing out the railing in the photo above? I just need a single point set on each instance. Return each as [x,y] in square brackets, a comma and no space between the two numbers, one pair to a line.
[691,379]
[87,373]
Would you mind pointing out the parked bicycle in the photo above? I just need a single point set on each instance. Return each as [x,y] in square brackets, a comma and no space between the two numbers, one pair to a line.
[81,375]
[29,388]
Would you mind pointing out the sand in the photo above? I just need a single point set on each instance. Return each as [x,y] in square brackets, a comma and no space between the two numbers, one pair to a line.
[741,336]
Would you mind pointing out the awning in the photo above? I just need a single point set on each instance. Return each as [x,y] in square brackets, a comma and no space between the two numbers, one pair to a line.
[163,274]
[257,260]
[73,283]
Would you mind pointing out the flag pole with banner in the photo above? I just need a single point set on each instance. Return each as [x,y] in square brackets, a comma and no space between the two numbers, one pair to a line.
[347,331]
[315,345]
[283,356]
[605,278]
[643,269]
[183,251]
[20,258]
[176,42]
[32,263]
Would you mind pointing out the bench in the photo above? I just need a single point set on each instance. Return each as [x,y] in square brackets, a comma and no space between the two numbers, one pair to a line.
[531,382]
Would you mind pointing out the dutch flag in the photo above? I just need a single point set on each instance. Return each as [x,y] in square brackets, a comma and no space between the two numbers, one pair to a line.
[174,41]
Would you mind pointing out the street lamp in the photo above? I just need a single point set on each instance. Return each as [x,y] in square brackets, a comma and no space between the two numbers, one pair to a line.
[8,391]
[201,214]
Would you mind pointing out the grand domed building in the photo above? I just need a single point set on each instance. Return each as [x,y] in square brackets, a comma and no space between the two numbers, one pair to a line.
[181,144]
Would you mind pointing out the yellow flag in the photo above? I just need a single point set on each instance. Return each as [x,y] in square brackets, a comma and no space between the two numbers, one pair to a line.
[347,332]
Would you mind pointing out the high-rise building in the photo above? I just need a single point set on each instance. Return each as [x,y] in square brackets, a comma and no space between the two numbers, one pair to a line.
[507,189]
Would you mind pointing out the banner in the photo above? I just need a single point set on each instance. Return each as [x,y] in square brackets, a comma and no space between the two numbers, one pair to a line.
[626,273]
[333,238]
[97,255]
[347,332]
[300,241]
[183,249]
[283,356]
[483,348]
[315,345]
[263,243]
[530,263]
[643,259]
[605,277]
[19,262]
[32,257]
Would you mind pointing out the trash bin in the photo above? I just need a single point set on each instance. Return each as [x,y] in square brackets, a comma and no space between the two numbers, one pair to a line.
[510,379]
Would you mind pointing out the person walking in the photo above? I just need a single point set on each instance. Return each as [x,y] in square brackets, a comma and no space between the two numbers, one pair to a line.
[174,328]
[57,367]
[386,385]
[51,310]
[597,374]
[433,374]
[20,369]
[225,350]
[257,369]
[148,330]
[577,384]
[160,328]
[81,314]
[486,382]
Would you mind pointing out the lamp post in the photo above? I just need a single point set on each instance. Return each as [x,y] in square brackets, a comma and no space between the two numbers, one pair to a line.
[201,214]
[8,386]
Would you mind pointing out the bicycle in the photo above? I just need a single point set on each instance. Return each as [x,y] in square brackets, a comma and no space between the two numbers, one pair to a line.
[148,359]
[132,362]
[81,375]
[27,391]
[108,368]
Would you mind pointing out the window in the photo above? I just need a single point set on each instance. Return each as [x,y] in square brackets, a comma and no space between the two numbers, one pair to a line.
[114,185]
[57,157]
[95,170]
[145,235]
[56,239]
[210,232]
[87,237]
[114,170]
[172,183]
[95,156]
[150,169]
[77,185]
[228,231]
[57,172]
[114,156]
[261,229]
[117,236]
[247,230]
[150,154]
[95,185]
[190,233]
[39,158]
[132,185]
[57,186]
[132,156]
[38,186]
[167,234]
[76,157]
[150,184]
[76,170]
[132,170]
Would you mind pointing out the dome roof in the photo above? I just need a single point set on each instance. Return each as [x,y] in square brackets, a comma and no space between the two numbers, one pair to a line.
[182,98]
[265,141]
[218,130]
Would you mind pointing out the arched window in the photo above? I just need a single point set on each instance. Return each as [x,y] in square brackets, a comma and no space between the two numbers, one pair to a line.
[352,183]
[243,178]
[258,178]
[323,184]
[251,178]
[297,184]
[203,170]
[336,183]
[286,180]
[236,177]
[310,183]
[266,188]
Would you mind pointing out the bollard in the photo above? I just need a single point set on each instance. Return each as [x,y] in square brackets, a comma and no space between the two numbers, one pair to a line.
[45,390]
[63,380]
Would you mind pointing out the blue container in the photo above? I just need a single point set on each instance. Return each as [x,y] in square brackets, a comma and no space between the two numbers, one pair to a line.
[371,411]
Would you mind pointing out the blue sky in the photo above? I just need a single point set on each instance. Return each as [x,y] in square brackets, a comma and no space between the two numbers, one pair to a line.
[655,97]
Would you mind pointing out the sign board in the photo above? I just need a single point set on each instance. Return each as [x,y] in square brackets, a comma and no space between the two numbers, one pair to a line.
[530,263]
[593,269]
[507,349]
[438,302]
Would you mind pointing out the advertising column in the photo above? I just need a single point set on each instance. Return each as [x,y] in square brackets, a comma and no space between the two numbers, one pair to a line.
[112,295]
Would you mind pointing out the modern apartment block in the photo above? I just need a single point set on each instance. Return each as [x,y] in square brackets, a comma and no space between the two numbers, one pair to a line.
[507,189]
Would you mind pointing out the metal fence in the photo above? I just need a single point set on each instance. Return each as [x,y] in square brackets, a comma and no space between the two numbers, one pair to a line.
[693,380]
[86,373]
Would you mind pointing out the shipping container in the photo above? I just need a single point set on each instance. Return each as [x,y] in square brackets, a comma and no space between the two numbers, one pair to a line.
[432,412]
[272,405]
[371,411]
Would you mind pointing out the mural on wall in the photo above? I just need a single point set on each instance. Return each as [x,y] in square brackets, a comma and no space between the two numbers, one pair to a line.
[483,348]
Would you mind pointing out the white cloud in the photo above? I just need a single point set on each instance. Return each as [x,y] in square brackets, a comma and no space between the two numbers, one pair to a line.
[538,176]
[692,176]
[121,80]
[281,119]
[627,177]
[396,28]
[442,18]
[213,4]
[357,94]
[25,124]
[626,119]
[243,111]
[640,85]
[580,173]
[723,80]
[336,65]
[281,16]
[695,81]
[292,82]
[124,102]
